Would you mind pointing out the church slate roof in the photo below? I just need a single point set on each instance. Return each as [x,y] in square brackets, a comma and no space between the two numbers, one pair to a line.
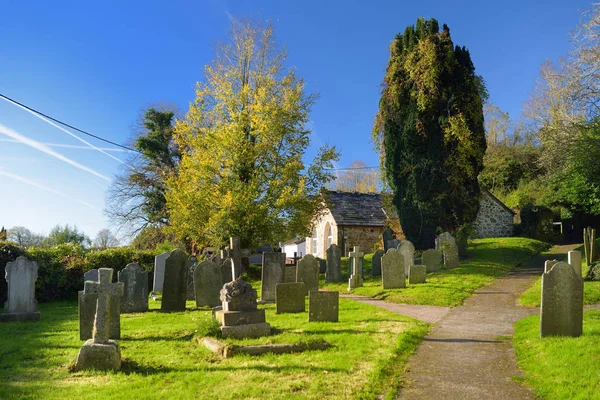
[359,209]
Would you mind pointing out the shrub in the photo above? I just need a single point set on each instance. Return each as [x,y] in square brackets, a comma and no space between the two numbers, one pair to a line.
[593,273]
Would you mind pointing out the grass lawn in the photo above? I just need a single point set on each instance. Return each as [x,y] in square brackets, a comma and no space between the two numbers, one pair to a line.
[560,368]
[486,260]
[162,360]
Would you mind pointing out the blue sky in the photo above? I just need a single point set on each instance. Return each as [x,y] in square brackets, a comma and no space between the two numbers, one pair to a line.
[96,65]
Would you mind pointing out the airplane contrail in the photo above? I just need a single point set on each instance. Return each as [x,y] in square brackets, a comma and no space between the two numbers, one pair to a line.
[72,146]
[39,186]
[64,130]
[45,149]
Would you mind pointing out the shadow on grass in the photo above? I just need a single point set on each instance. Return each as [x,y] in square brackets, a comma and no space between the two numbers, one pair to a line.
[159,338]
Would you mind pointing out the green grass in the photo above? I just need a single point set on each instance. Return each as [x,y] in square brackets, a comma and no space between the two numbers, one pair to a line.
[486,260]
[560,368]
[161,359]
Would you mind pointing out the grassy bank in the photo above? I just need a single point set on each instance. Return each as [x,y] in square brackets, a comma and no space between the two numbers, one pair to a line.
[486,260]
[161,359]
[560,368]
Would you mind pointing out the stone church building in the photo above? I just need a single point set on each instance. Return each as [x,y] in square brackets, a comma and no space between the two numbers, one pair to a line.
[358,219]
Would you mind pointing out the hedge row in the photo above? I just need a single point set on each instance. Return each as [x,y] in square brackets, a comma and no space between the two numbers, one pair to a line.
[61,268]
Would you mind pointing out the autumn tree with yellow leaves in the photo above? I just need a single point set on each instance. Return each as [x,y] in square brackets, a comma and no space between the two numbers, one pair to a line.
[243,142]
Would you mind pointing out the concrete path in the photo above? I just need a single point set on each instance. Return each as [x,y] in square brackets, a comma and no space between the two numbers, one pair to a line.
[430,314]
[468,354]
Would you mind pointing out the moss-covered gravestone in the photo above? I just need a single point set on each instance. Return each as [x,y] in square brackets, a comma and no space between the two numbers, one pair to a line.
[561,313]
[323,306]
[376,263]
[393,274]
[416,274]
[432,259]
[333,270]
[307,271]
[273,273]
[290,298]
[207,284]
[175,283]
[135,282]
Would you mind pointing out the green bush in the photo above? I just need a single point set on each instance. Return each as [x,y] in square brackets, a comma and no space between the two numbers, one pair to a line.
[593,273]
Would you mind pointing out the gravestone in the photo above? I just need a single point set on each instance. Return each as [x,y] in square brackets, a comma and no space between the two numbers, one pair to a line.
[290,297]
[392,270]
[417,274]
[235,253]
[101,353]
[175,282]
[549,264]
[392,244]
[159,271]
[239,316]
[386,236]
[191,266]
[561,313]
[432,259]
[290,274]
[443,238]
[376,263]
[307,271]
[226,270]
[207,284]
[86,305]
[323,306]
[450,253]
[322,265]
[273,273]
[135,284]
[407,249]
[20,305]
[574,258]
[356,279]
[91,275]
[333,272]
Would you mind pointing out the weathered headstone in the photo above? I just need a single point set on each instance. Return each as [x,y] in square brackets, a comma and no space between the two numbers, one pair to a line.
[239,317]
[159,271]
[175,282]
[356,278]
[322,265]
[290,274]
[386,236]
[207,284]
[290,297]
[432,259]
[135,283]
[333,272]
[226,270]
[307,271]
[443,238]
[100,353]
[86,304]
[407,249]
[450,253]
[549,264]
[20,305]
[191,266]
[235,253]
[376,263]
[323,306]
[561,313]
[273,273]
[392,270]
[91,275]
[574,258]
[393,244]
[416,274]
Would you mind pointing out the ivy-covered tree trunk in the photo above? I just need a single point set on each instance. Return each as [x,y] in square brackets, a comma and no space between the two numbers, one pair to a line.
[430,132]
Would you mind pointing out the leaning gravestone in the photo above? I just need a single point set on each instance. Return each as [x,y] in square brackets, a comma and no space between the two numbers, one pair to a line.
[159,271]
[290,297]
[191,266]
[323,306]
[20,305]
[407,249]
[273,273]
[135,283]
[207,284]
[175,282]
[432,259]
[376,263]
[86,304]
[416,274]
[392,270]
[100,353]
[561,313]
[386,236]
[333,272]
[307,271]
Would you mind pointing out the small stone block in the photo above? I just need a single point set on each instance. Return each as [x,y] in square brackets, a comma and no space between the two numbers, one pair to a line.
[417,274]
[290,298]
[20,317]
[323,306]
[99,356]
[246,331]
[233,318]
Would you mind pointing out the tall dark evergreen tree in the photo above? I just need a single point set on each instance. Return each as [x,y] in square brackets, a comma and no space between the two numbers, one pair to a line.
[430,132]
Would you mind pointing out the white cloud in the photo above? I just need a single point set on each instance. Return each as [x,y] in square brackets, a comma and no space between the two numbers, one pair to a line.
[72,146]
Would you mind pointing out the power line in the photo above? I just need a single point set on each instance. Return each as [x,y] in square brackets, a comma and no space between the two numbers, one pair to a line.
[67,125]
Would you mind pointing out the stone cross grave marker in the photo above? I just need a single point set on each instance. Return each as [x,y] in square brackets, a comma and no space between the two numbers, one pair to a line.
[191,266]
[323,306]
[290,297]
[417,274]
[208,284]
[273,273]
[356,279]
[175,282]
[307,271]
[393,274]
[235,253]
[376,263]
[432,259]
[86,304]
[407,249]
[574,258]
[135,283]
[561,313]
[333,272]
[20,305]
[159,271]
